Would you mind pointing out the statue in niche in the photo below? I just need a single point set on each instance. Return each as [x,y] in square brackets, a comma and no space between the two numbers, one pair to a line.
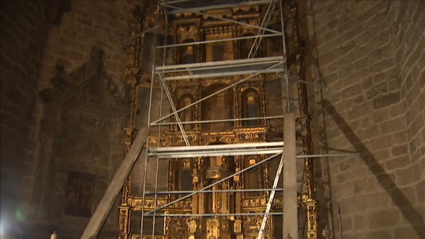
[152,56]
[206,114]
[188,53]
[217,107]
[188,57]
[160,58]
[251,108]
[274,46]
[169,57]
[246,46]
[186,180]
[222,111]
[187,114]
[219,51]
[252,177]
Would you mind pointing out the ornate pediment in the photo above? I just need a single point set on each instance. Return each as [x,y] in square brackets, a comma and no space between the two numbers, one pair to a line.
[93,91]
[90,82]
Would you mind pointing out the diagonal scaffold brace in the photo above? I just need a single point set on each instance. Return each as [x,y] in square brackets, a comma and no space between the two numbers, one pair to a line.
[115,186]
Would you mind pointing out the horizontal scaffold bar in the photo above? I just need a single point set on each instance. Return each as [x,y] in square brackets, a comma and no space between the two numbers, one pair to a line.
[213,214]
[216,40]
[218,121]
[211,95]
[228,71]
[229,63]
[215,154]
[215,191]
[200,5]
[211,185]
[216,147]
[217,150]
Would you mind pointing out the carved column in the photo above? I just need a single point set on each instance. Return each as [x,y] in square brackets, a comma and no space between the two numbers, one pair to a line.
[192,228]
[201,184]
[237,228]
[266,174]
[51,125]
[195,186]
[198,106]
[238,185]
[263,105]
[237,105]
[170,179]
[173,127]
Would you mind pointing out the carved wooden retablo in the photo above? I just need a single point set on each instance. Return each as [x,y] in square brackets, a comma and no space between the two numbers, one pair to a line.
[246,100]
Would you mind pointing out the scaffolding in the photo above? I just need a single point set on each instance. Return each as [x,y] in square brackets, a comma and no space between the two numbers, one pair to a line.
[245,69]
[248,68]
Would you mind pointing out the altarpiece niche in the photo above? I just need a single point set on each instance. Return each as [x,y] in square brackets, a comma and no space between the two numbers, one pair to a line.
[229,107]
[79,194]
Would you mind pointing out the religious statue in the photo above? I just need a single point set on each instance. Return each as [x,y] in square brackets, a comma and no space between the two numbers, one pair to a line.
[188,57]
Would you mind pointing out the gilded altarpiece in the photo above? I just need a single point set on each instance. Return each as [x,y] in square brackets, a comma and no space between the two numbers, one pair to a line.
[245,100]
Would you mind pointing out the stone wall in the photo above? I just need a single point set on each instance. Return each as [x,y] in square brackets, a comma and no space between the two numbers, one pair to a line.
[23,39]
[81,130]
[370,55]
[88,24]
[81,147]
[38,36]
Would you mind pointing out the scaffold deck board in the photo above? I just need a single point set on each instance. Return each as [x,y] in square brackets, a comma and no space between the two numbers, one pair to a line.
[202,5]
[217,150]
[221,68]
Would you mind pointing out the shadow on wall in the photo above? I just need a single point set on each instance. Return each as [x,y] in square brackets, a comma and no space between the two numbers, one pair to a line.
[409,212]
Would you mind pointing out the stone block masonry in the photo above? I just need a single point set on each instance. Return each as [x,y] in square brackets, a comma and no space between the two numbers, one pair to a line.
[31,47]
[23,39]
[371,57]
[103,25]
[89,23]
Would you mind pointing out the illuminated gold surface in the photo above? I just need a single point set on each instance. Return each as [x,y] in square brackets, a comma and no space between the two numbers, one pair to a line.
[189,27]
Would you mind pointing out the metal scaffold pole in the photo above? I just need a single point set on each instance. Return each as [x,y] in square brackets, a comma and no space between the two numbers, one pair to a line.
[249,68]
[243,71]
[236,73]
[290,204]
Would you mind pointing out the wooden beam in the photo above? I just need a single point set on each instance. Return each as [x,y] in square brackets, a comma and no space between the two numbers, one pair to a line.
[105,205]
[290,204]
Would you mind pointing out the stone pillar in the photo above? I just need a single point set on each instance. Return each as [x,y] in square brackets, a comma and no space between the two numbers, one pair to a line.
[51,125]
[290,205]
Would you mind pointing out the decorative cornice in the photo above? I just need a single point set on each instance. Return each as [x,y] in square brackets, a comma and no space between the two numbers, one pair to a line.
[78,82]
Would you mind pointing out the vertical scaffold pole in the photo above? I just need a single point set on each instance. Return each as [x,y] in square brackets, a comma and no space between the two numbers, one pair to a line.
[290,205]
